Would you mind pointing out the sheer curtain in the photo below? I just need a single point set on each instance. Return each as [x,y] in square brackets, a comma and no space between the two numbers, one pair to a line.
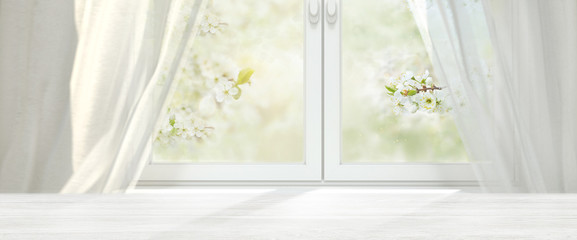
[510,68]
[82,84]
[128,53]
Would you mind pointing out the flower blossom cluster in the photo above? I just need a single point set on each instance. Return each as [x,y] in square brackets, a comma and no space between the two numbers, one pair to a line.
[412,93]
[182,124]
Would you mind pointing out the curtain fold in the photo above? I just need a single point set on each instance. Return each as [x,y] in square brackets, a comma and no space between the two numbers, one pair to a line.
[127,56]
[510,68]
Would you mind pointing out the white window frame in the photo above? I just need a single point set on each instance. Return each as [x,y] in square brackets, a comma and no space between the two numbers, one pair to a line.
[323,138]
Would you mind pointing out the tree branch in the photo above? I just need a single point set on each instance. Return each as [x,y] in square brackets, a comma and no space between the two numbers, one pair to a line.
[425,88]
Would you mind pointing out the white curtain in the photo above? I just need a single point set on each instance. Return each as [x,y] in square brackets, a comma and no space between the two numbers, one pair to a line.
[510,67]
[128,53]
[82,86]
[37,45]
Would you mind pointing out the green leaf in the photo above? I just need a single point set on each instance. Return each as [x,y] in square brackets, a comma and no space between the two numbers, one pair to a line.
[171,122]
[244,76]
[412,92]
[391,89]
[237,96]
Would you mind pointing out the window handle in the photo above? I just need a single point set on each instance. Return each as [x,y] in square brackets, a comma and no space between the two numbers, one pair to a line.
[332,9]
[314,9]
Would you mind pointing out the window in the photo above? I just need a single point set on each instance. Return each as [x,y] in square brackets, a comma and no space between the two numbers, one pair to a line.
[318,85]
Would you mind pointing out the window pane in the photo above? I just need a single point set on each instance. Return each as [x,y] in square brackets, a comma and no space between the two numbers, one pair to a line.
[380,40]
[266,123]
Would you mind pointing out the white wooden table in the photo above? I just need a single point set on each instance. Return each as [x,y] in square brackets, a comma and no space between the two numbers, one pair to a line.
[289,213]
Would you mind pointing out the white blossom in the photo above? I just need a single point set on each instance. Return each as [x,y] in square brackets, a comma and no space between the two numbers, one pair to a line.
[226,91]
[443,104]
[413,84]
[210,24]
[399,98]
[199,129]
[212,82]
[425,75]
[407,76]
[426,101]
